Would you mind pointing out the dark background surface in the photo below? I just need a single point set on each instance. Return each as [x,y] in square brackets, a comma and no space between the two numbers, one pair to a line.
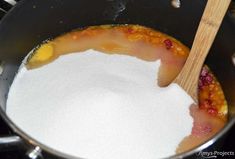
[229,144]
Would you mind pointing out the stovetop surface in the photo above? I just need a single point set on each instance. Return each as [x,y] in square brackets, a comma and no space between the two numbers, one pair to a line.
[14,154]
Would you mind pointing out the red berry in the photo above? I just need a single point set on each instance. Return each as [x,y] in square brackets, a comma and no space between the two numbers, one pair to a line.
[200,129]
[168,43]
[204,81]
[130,30]
[212,111]
[208,79]
[204,72]
[200,84]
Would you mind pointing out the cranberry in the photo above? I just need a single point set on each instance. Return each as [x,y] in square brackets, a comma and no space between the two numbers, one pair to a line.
[208,79]
[212,111]
[204,81]
[168,43]
[130,30]
[206,129]
[200,129]
[200,84]
[204,72]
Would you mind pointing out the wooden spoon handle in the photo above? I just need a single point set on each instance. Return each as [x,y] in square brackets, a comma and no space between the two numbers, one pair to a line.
[207,30]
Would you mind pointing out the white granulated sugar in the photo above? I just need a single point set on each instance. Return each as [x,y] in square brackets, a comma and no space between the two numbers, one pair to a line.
[98,106]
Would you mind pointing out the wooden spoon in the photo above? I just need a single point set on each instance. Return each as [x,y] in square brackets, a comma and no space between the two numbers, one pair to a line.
[207,30]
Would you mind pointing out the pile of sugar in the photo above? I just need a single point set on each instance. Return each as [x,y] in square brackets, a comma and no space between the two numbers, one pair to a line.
[98,106]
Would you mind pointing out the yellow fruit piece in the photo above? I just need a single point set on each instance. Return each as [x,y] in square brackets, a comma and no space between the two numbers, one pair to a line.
[223,109]
[44,53]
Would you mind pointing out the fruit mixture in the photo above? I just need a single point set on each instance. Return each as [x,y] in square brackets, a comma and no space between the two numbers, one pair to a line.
[211,113]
